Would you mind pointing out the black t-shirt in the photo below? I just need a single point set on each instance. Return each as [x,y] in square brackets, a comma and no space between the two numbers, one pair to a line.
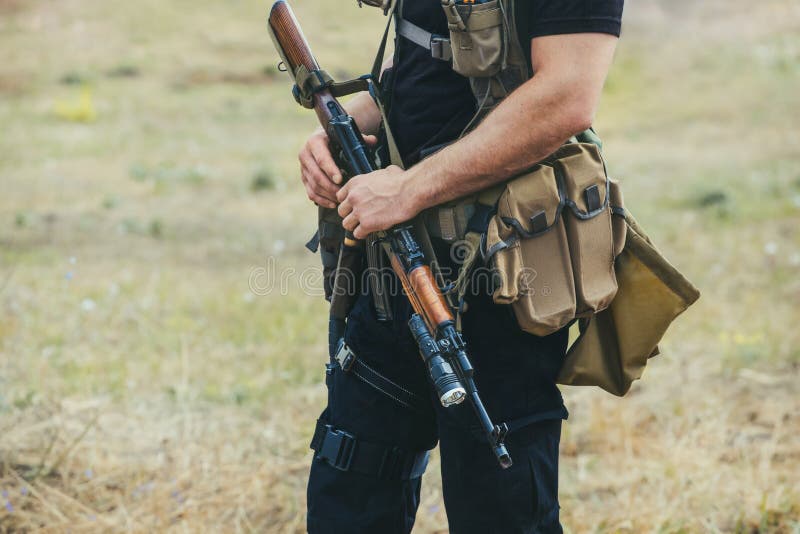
[431,104]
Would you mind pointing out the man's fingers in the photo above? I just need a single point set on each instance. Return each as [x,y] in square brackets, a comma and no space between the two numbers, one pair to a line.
[360,233]
[312,194]
[319,200]
[345,208]
[350,222]
[371,140]
[320,183]
[322,155]
[341,195]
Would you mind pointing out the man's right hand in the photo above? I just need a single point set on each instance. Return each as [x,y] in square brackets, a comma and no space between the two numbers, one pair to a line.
[321,177]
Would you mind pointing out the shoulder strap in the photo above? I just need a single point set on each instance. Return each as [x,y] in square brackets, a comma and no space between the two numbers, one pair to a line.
[394,153]
[376,65]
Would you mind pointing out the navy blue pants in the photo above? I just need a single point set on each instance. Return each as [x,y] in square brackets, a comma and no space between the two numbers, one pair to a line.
[515,374]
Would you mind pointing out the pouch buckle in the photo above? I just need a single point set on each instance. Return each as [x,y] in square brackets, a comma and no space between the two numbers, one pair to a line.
[345,356]
[338,448]
[440,48]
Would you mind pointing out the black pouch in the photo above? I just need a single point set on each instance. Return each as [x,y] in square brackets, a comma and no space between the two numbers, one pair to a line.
[328,240]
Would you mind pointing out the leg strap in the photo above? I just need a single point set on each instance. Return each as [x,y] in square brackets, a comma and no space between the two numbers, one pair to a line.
[350,363]
[345,452]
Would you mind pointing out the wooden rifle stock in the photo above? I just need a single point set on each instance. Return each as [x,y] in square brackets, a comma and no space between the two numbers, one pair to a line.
[294,51]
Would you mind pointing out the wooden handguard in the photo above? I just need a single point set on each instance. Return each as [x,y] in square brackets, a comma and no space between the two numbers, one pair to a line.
[397,267]
[421,289]
[432,300]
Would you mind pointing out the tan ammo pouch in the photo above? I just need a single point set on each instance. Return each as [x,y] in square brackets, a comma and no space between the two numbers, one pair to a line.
[615,344]
[553,240]
[477,37]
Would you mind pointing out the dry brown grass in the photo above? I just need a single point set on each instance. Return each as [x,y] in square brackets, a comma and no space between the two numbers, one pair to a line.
[145,388]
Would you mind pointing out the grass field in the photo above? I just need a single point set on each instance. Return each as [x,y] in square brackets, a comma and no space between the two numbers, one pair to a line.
[148,177]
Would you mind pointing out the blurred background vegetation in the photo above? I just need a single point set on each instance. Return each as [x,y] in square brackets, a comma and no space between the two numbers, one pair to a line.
[148,175]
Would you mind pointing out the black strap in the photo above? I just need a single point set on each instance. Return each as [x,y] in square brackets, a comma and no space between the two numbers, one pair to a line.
[378,63]
[313,243]
[479,221]
[592,197]
[539,222]
[520,423]
[309,83]
[357,85]
[345,452]
[439,45]
[350,363]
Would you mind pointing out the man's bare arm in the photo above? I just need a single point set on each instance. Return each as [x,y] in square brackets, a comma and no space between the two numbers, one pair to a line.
[558,102]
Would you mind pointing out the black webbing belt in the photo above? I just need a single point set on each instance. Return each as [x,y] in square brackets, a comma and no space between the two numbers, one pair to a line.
[439,45]
[345,452]
[350,363]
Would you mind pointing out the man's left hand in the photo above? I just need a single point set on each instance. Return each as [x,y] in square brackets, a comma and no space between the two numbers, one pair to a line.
[376,201]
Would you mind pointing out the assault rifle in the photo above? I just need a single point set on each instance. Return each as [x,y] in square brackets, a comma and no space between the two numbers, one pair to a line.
[432,325]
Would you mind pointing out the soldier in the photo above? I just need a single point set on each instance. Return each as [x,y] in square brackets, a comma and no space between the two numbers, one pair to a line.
[569,46]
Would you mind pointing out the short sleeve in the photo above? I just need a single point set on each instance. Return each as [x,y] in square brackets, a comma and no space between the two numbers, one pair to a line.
[537,18]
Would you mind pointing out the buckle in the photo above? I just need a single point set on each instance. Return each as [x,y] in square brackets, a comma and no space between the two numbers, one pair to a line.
[321,82]
[345,357]
[440,48]
[338,448]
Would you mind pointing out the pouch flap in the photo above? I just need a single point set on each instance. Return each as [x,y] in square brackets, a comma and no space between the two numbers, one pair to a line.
[531,204]
[477,17]
[498,236]
[580,167]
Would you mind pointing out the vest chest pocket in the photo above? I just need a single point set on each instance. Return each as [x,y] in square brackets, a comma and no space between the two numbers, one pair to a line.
[477,37]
